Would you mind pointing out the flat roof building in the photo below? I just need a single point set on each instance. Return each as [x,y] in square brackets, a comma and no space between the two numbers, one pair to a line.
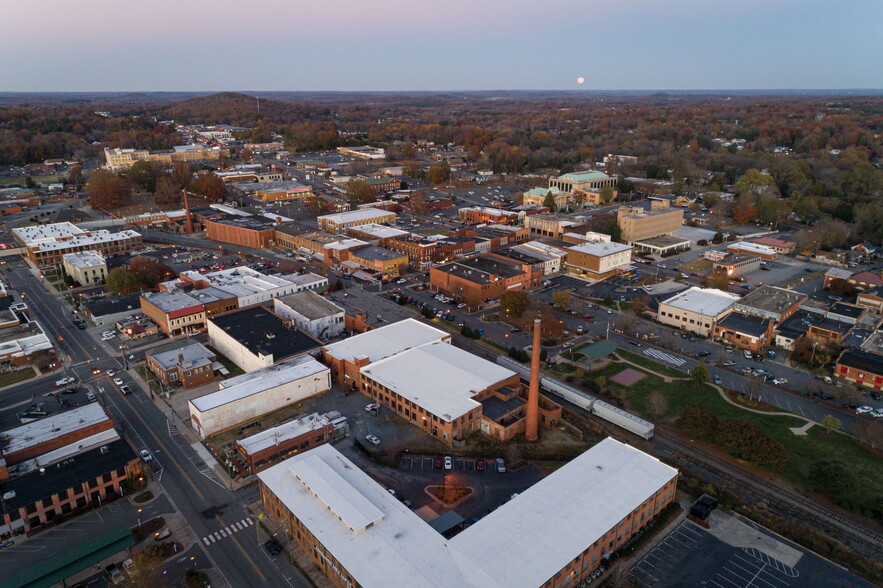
[771,302]
[744,331]
[46,245]
[563,526]
[175,313]
[249,231]
[255,338]
[312,314]
[696,310]
[282,441]
[597,261]
[245,398]
[189,365]
[337,223]
[638,224]
[85,267]
[749,248]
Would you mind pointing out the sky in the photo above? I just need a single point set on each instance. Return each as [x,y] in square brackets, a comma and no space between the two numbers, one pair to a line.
[412,45]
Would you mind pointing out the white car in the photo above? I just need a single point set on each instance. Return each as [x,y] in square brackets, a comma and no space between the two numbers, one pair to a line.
[449,463]
[372,407]
[145,455]
[864,410]
[373,440]
[111,373]
[780,381]
[877,414]
[118,381]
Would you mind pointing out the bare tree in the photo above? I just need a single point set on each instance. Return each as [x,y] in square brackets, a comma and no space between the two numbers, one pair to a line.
[657,404]
[870,433]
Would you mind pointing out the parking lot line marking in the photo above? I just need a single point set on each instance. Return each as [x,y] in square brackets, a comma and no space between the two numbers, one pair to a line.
[756,577]
[728,580]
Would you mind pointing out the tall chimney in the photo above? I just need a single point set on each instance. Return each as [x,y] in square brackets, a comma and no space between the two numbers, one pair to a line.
[187,210]
[533,392]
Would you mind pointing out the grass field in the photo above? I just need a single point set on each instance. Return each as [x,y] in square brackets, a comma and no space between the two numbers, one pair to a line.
[803,450]
[10,378]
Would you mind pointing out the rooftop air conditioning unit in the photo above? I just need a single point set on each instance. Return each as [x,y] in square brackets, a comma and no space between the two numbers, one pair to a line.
[103,449]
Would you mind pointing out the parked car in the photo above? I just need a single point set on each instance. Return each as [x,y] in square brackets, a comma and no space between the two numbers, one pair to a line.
[864,409]
[780,381]
[372,407]
[703,353]
[145,455]
[479,465]
[877,414]
[373,440]
[449,462]
[272,547]
[747,354]
[717,380]
[728,363]
[69,391]
[438,462]
[501,465]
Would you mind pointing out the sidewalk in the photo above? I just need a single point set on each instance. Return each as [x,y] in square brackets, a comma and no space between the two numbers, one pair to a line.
[296,555]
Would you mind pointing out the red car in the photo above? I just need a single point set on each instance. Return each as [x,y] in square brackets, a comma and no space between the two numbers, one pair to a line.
[479,465]
[438,462]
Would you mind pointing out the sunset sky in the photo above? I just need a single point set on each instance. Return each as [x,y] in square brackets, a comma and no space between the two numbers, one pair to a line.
[103,45]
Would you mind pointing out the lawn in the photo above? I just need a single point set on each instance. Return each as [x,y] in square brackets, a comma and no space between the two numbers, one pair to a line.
[10,378]
[697,265]
[234,369]
[803,451]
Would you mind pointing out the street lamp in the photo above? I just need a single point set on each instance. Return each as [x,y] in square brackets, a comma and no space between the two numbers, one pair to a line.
[193,559]
[139,518]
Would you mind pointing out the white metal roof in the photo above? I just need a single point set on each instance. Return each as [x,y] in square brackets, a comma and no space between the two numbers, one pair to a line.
[438,377]
[706,301]
[284,432]
[600,249]
[335,500]
[381,231]
[548,525]
[387,340]
[356,215]
[259,381]
[53,426]
[84,259]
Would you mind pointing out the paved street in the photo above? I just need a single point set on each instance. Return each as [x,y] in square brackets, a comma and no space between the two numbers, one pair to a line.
[189,485]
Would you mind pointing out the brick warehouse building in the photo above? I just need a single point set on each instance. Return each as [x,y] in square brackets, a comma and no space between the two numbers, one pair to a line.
[281,442]
[248,231]
[860,367]
[482,278]
[553,534]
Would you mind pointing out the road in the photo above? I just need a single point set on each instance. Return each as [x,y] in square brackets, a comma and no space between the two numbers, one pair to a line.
[192,489]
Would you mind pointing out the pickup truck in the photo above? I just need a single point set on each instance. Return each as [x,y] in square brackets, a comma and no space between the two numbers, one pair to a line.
[64,382]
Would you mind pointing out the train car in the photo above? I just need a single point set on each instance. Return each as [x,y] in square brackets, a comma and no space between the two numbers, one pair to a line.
[623,419]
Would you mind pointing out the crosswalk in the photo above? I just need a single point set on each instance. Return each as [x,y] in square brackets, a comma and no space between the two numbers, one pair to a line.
[227,531]
[664,357]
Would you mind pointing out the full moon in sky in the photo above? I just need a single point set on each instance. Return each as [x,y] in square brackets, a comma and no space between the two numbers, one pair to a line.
[580,80]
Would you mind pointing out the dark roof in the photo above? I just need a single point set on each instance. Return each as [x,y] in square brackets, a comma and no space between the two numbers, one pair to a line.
[521,257]
[445,522]
[106,306]
[80,468]
[844,309]
[494,408]
[373,253]
[797,324]
[254,223]
[746,324]
[862,360]
[263,333]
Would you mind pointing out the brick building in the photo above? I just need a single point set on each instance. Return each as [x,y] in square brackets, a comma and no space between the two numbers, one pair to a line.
[482,278]
[744,331]
[273,445]
[189,365]
[46,245]
[554,534]
[860,367]
[337,223]
[249,231]
[175,313]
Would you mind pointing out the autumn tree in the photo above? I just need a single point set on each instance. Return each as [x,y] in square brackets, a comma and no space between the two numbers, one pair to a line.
[439,173]
[318,205]
[143,175]
[561,299]
[514,303]
[358,192]
[148,272]
[120,281]
[75,177]
[182,173]
[657,404]
[168,193]
[842,287]
[417,202]
[107,190]
[145,571]
[831,423]
[754,183]
[607,194]
[744,212]
[209,185]
[699,374]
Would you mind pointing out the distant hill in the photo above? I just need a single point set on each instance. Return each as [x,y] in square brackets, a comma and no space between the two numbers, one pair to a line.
[236,108]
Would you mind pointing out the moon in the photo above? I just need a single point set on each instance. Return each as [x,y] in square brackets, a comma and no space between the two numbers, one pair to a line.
[580,80]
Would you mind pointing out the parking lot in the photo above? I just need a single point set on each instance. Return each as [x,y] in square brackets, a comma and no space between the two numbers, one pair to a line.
[750,558]
[464,465]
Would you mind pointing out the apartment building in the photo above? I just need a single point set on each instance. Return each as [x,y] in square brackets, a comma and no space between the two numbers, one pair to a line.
[175,313]
[249,231]
[189,365]
[482,278]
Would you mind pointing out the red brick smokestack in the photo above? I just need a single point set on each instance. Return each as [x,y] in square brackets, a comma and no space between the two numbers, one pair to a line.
[187,210]
[533,392]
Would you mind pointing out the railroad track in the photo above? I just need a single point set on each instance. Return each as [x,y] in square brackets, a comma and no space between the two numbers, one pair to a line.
[786,502]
